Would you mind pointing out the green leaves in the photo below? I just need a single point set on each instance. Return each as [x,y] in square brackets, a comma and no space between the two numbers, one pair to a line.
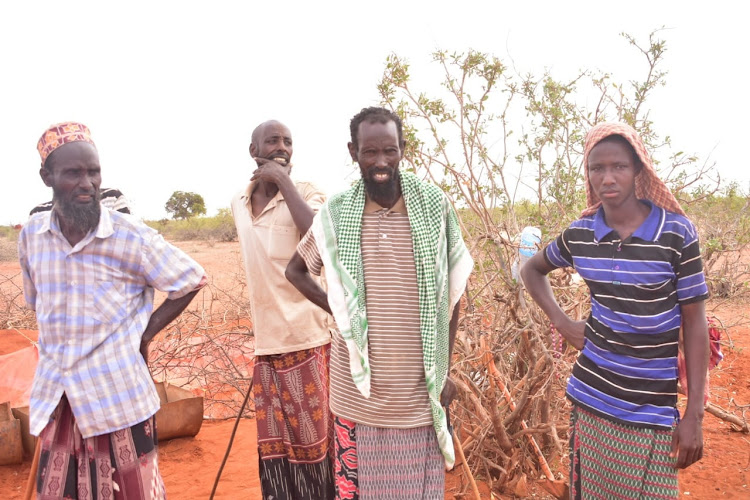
[493,138]
[183,205]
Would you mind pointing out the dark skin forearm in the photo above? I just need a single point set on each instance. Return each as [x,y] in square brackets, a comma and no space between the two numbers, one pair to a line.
[160,318]
[695,336]
[272,173]
[687,439]
[452,329]
[302,214]
[534,275]
[449,389]
[299,276]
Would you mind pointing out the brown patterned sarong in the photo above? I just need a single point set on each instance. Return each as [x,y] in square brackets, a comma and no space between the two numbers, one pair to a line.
[374,462]
[613,460]
[291,410]
[118,465]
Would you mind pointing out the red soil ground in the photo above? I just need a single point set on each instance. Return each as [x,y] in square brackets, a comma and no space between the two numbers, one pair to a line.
[189,465]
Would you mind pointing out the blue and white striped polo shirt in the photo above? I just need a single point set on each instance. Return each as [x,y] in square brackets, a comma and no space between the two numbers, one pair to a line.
[627,370]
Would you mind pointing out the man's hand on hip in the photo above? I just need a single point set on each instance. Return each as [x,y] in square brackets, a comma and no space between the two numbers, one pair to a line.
[573,331]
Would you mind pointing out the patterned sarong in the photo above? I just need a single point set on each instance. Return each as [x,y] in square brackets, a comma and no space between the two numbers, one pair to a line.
[613,460]
[119,465]
[378,463]
[291,410]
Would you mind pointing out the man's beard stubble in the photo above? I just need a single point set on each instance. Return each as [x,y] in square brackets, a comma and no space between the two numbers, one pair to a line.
[380,191]
[84,217]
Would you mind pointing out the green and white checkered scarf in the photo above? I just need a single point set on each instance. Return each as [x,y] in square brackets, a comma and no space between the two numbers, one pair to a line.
[443,265]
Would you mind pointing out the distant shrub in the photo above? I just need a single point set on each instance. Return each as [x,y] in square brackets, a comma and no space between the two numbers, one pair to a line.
[9,233]
[8,243]
[217,228]
[723,222]
[8,250]
[185,205]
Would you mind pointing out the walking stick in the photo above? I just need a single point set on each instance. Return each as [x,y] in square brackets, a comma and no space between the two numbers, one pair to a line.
[465,466]
[231,440]
[31,482]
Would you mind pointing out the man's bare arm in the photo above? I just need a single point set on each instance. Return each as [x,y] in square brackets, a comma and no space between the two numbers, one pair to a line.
[449,389]
[270,171]
[534,274]
[299,276]
[452,329]
[687,439]
[160,318]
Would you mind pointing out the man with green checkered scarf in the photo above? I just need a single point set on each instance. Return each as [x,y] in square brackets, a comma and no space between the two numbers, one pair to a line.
[396,266]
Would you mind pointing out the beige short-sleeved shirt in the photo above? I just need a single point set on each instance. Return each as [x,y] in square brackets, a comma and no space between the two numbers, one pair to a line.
[398,393]
[283,320]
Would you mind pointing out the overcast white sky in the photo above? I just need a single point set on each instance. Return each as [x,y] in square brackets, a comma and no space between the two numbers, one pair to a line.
[171,90]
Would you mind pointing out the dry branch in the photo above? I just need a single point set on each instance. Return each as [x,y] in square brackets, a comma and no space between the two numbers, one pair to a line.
[738,424]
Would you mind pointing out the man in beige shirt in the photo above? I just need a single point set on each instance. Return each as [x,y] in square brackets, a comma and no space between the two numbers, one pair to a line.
[291,335]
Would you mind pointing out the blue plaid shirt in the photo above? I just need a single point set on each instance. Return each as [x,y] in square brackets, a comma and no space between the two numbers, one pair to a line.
[93,302]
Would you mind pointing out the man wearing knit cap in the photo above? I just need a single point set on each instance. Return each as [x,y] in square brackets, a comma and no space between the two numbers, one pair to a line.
[639,255]
[89,273]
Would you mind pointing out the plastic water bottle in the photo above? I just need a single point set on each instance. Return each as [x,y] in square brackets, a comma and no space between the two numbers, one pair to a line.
[531,238]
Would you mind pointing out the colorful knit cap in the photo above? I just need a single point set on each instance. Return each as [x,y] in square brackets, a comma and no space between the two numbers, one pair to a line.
[62,133]
[648,186]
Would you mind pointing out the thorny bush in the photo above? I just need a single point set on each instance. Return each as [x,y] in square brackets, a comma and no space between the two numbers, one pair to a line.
[507,150]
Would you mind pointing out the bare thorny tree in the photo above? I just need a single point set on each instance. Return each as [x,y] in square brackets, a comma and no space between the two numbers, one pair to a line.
[507,150]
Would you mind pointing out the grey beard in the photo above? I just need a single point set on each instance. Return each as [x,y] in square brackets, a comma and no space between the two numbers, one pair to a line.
[83,217]
[378,191]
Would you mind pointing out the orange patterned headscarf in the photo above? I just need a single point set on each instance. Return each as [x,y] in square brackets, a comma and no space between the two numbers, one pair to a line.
[62,133]
[648,186]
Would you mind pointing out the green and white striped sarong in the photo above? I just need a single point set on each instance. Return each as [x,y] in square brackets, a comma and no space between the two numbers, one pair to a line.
[614,460]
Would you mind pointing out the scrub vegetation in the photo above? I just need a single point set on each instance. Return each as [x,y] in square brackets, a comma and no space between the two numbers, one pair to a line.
[217,228]
[507,149]
[8,243]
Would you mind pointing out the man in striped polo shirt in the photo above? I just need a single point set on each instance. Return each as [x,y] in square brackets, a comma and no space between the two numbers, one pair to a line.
[639,256]
[396,266]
